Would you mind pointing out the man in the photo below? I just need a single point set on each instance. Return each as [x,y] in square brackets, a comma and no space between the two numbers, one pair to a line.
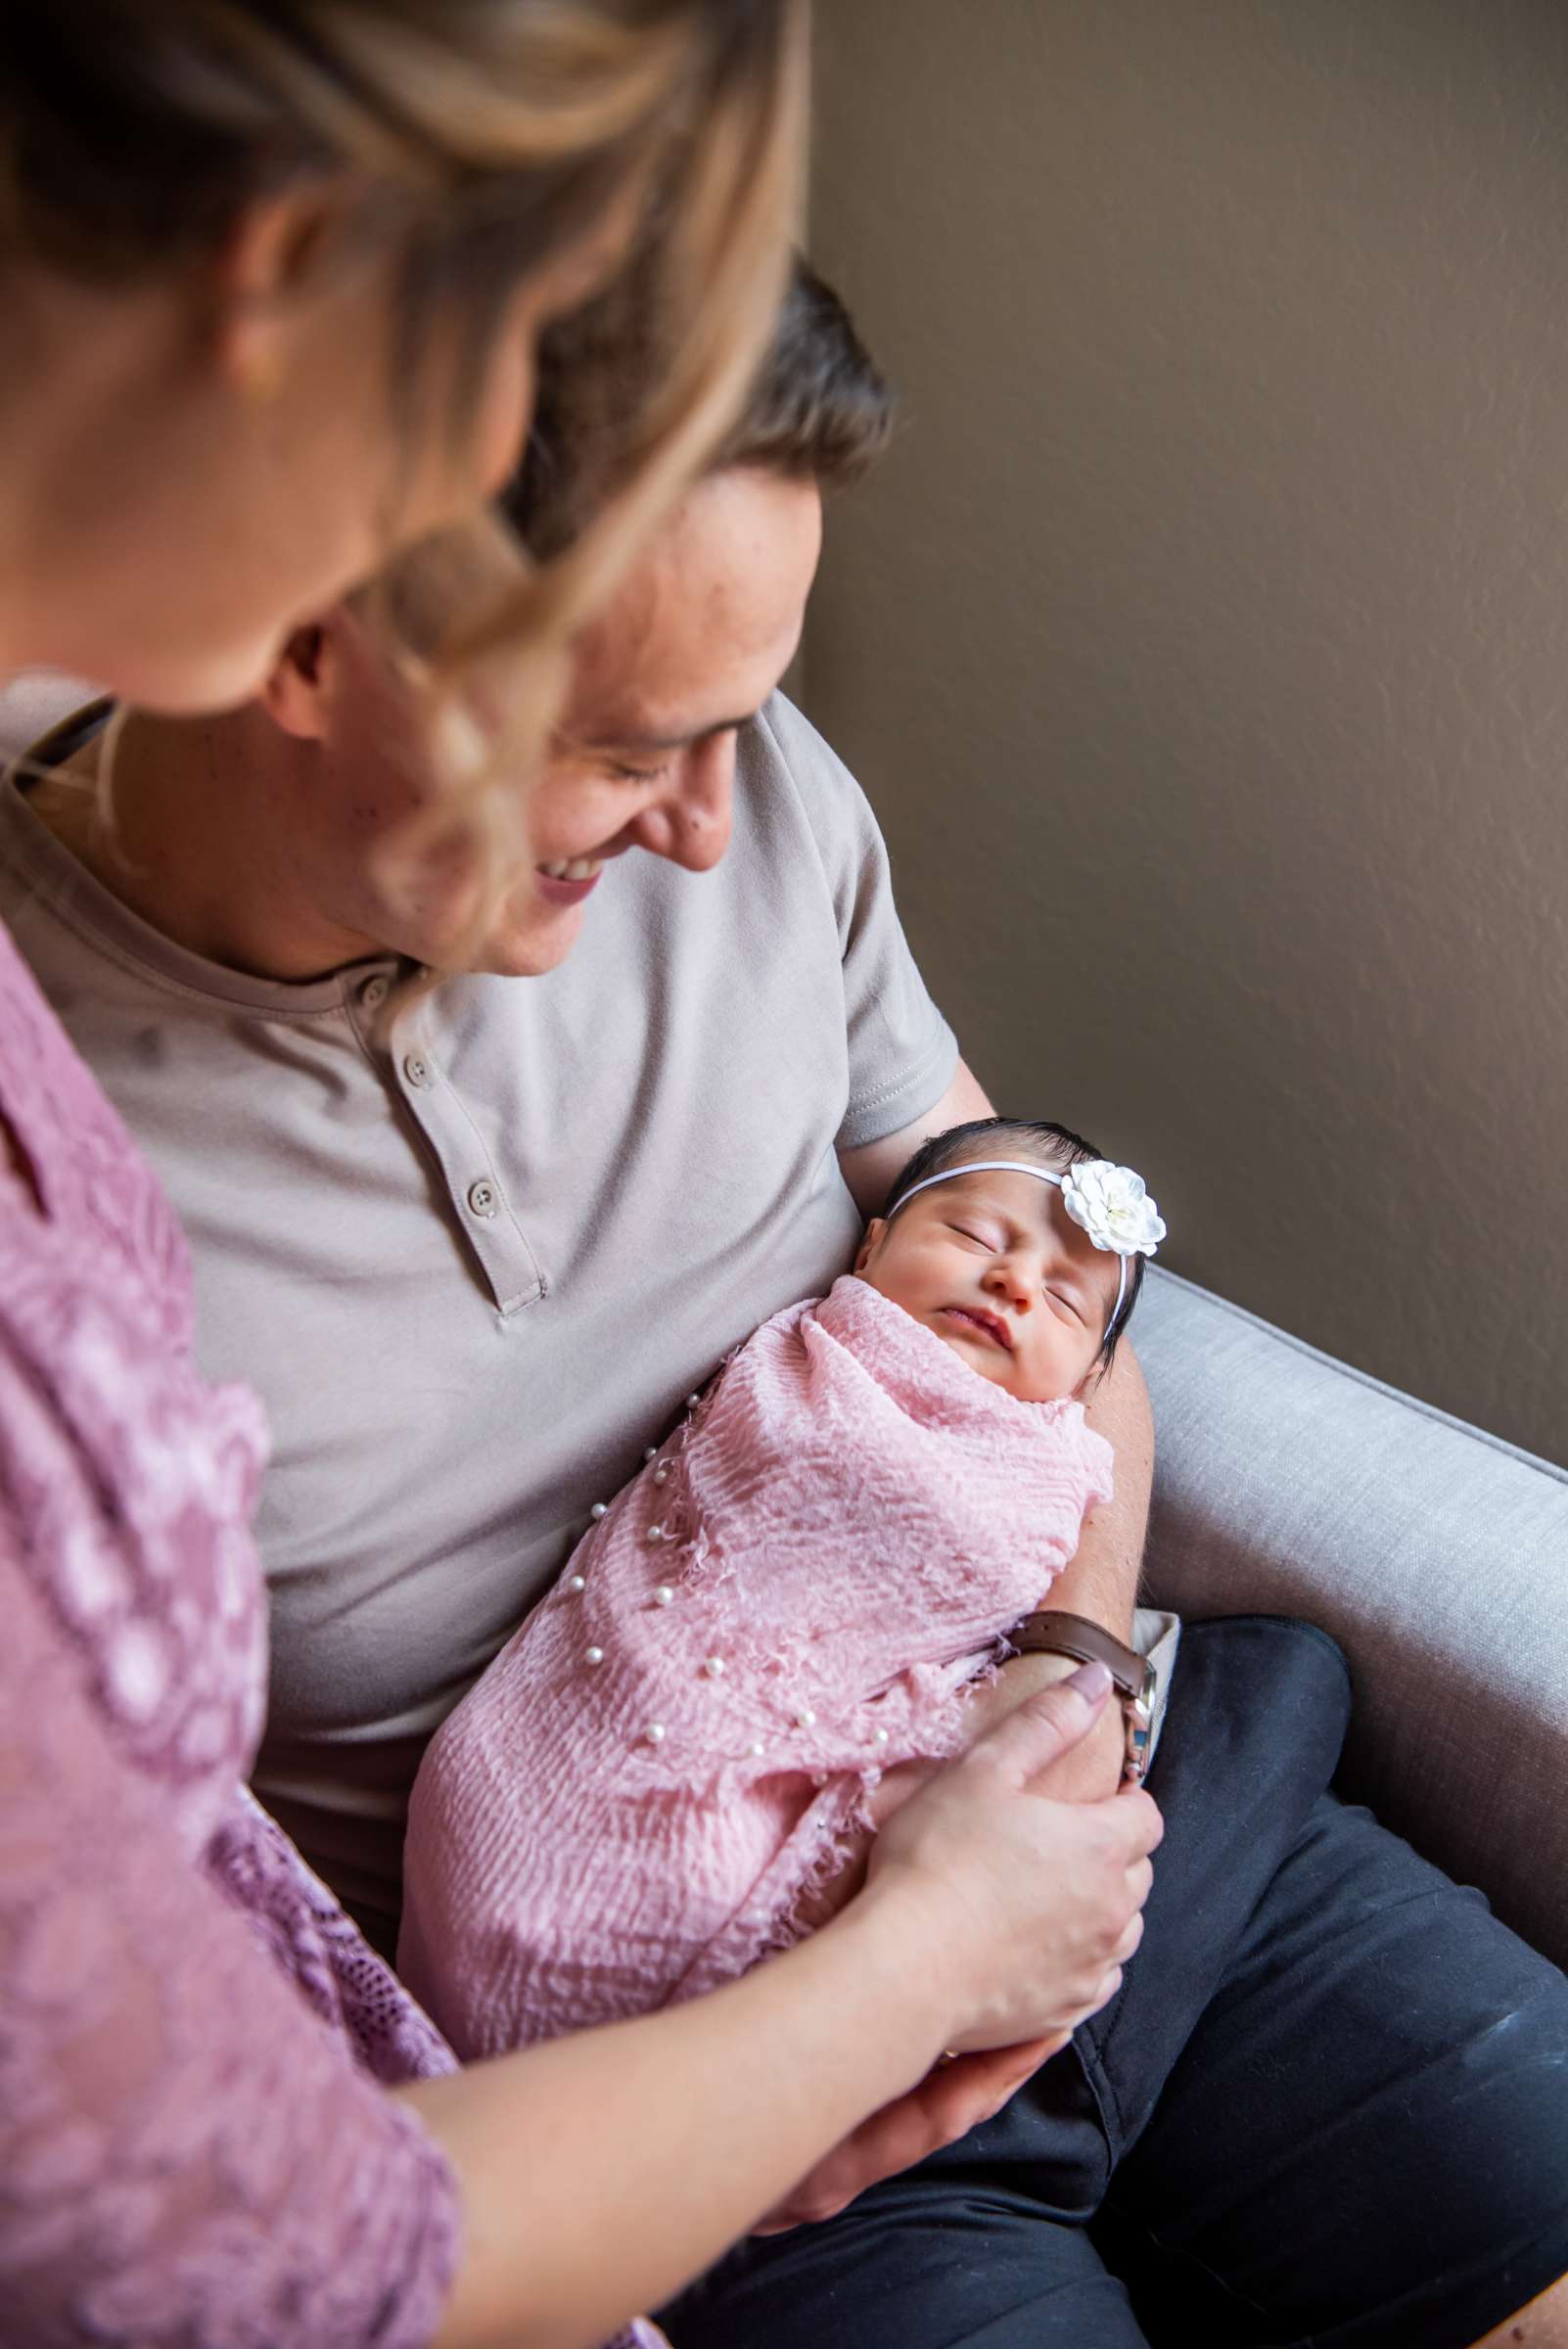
[477,1244]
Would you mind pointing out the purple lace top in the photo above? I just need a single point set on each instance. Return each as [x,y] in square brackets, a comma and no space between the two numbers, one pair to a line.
[194,2149]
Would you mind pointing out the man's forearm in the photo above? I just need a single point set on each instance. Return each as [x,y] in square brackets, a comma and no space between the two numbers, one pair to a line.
[1100,1581]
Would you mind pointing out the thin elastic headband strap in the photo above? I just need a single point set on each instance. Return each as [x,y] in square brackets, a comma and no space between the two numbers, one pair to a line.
[1009,1165]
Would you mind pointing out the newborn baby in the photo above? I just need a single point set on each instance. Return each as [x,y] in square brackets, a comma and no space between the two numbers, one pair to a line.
[677,1748]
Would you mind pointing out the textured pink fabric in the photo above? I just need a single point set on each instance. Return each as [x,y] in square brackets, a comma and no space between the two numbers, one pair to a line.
[189,2154]
[843,1527]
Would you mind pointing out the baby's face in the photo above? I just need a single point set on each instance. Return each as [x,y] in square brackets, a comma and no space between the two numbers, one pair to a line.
[997,1266]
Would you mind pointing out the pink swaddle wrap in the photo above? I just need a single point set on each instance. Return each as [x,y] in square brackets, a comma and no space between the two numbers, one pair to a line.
[790,1599]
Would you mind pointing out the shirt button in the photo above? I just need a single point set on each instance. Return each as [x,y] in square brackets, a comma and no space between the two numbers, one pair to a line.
[373,995]
[481,1198]
[416,1071]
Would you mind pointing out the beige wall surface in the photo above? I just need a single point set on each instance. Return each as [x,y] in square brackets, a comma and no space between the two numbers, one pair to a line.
[1204,642]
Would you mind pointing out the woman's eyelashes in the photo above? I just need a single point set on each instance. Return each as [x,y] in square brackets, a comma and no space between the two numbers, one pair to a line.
[638,774]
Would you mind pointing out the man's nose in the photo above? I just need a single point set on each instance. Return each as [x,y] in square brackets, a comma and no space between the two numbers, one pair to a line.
[691,821]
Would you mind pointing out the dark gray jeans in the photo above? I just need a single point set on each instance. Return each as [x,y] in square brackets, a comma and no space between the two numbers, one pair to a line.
[1328,2105]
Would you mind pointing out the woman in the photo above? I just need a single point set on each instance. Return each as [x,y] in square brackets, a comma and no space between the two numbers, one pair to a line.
[273,277]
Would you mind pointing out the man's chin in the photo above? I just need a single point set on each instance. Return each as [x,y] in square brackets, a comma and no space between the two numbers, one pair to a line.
[526,949]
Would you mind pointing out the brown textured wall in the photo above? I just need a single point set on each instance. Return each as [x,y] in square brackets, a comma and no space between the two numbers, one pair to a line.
[1204,643]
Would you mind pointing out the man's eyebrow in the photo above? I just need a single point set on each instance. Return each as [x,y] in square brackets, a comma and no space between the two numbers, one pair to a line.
[633,741]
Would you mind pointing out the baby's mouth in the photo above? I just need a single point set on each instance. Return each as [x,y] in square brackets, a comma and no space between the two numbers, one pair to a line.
[989,1325]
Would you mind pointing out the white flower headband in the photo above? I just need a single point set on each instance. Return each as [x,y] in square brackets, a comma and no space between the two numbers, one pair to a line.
[1109,1202]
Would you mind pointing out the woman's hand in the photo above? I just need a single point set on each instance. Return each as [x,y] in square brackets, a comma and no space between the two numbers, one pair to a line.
[1095,1890]
[1028,1906]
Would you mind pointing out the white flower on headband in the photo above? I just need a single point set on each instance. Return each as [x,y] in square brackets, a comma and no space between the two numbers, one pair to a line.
[1113,1206]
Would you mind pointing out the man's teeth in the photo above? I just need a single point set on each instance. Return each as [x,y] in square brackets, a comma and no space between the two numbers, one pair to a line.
[574,868]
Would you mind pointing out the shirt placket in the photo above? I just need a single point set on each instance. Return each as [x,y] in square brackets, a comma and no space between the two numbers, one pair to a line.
[475,1190]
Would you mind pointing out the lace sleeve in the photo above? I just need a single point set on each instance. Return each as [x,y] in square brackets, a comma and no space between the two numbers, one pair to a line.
[188,2160]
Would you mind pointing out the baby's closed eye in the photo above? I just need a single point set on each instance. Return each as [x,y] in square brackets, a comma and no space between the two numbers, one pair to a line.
[984,1236]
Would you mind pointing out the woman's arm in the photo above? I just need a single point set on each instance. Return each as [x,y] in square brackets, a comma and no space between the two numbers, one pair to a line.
[601,2172]
[186,2152]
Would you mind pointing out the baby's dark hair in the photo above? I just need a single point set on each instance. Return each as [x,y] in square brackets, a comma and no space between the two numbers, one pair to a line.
[1036,1140]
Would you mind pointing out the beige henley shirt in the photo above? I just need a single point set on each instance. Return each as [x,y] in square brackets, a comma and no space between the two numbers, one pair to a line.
[472,1274]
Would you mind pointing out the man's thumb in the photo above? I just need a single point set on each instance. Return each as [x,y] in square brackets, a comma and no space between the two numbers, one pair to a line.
[1036,1732]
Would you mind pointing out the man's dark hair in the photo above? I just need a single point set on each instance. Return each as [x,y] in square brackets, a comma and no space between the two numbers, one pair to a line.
[819,411]
[1035,1141]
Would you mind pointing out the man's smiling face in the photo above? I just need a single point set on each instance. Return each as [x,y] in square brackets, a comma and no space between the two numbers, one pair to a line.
[994,1266]
[644,754]
[696,639]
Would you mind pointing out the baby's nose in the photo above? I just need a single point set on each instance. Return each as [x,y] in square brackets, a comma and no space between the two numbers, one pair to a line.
[1006,1280]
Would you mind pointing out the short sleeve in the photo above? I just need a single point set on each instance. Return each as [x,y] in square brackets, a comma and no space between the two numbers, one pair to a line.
[188,2158]
[901,1051]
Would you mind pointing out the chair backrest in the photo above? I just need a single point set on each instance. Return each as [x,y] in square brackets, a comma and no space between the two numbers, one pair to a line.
[1436,1555]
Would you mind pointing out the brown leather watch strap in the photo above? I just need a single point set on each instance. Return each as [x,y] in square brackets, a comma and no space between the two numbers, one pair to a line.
[1054,1632]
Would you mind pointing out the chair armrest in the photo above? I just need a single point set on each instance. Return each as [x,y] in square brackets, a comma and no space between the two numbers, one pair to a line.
[1436,1555]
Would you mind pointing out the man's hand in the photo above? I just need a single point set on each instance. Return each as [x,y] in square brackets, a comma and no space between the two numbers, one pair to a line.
[948,2103]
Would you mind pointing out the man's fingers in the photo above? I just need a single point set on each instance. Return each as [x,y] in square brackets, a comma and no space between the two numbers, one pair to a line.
[946,2105]
[972,2089]
[895,2138]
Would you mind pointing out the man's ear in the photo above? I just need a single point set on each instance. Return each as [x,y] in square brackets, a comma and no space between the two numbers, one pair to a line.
[868,1246]
[296,694]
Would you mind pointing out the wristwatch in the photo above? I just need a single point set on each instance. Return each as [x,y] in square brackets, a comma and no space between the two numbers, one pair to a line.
[1059,1634]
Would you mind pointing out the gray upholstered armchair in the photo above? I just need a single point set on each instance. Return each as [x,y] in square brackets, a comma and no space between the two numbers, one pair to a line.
[1436,1555]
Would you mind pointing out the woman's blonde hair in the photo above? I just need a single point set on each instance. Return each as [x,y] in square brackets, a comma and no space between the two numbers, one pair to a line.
[482,138]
